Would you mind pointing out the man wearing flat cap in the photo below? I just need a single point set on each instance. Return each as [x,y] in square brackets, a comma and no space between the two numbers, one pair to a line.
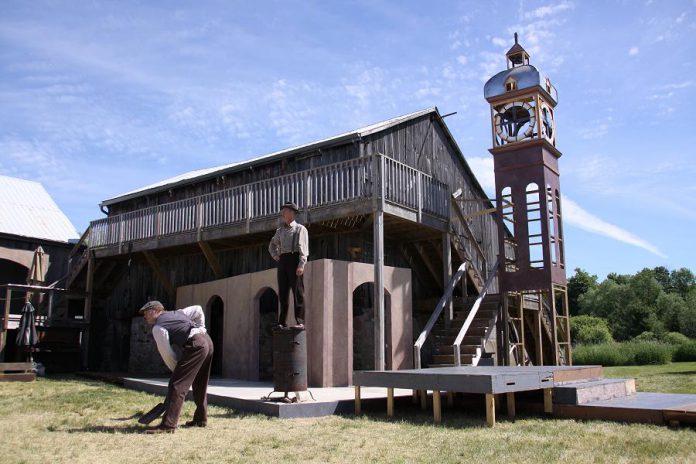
[289,247]
[184,330]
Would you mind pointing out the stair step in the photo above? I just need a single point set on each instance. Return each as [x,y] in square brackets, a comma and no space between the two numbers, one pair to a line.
[449,358]
[464,349]
[588,391]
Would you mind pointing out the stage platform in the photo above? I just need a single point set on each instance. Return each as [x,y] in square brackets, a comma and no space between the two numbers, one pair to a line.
[245,396]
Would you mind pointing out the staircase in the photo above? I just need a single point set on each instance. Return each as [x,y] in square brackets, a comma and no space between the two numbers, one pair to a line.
[473,345]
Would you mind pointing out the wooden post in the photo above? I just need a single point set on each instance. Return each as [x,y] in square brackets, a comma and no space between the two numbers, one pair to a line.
[5,317]
[357,400]
[490,409]
[450,399]
[511,404]
[424,399]
[437,406]
[548,400]
[415,397]
[554,329]
[378,235]
[87,311]
[212,259]
[164,280]
[390,401]
[447,274]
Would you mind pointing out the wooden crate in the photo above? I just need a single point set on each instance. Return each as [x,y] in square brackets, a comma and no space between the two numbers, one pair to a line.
[18,372]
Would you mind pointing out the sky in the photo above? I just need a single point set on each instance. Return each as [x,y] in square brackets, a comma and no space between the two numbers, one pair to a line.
[100,98]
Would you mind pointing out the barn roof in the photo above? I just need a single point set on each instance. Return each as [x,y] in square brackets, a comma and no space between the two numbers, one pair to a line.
[29,211]
[202,174]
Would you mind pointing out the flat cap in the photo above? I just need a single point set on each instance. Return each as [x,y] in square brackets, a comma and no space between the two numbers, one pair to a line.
[150,305]
[291,205]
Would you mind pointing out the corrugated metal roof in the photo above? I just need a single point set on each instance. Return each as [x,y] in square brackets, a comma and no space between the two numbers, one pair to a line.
[224,169]
[27,210]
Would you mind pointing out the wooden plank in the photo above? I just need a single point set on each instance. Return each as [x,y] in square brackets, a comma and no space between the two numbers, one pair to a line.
[418,247]
[211,259]
[164,280]
[437,407]
[89,289]
[22,377]
[424,399]
[450,399]
[548,400]
[358,405]
[490,409]
[16,367]
[390,402]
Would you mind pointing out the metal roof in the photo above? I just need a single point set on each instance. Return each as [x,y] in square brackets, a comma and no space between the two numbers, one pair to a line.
[27,210]
[526,76]
[201,174]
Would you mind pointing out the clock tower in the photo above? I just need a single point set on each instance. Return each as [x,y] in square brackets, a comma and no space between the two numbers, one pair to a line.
[534,326]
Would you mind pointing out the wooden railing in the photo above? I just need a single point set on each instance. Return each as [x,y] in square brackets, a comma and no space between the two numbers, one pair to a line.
[322,186]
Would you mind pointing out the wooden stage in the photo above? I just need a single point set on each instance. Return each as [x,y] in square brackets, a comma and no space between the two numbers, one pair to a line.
[489,381]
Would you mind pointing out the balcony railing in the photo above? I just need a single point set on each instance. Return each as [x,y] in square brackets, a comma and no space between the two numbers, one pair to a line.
[319,187]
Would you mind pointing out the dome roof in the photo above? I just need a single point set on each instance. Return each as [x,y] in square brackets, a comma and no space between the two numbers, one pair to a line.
[526,76]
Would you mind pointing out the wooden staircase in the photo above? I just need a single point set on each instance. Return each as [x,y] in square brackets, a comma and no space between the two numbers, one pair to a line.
[473,343]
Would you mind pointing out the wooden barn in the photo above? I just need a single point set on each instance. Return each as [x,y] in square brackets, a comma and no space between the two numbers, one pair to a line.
[396,220]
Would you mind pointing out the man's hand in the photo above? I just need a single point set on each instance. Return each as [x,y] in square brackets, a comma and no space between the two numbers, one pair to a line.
[299,271]
[276,258]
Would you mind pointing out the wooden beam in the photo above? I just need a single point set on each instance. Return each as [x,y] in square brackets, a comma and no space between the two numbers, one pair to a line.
[357,400]
[437,406]
[212,259]
[89,289]
[447,272]
[164,280]
[428,264]
[548,400]
[511,404]
[490,409]
[390,402]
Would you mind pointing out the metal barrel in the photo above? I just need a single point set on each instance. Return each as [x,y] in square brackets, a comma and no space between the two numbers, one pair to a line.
[289,360]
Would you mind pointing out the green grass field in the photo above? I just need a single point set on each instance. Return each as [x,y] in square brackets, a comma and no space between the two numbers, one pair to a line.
[81,421]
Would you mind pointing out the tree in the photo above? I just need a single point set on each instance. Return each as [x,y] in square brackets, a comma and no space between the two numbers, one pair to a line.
[669,307]
[687,319]
[579,284]
[682,281]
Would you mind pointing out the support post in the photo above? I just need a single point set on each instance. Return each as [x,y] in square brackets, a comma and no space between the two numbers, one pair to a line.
[548,400]
[424,399]
[490,409]
[5,317]
[510,404]
[212,259]
[358,404]
[164,280]
[89,289]
[437,406]
[378,235]
[450,399]
[390,402]
[447,274]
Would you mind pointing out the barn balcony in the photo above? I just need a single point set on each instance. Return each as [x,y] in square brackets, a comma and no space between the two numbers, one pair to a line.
[349,189]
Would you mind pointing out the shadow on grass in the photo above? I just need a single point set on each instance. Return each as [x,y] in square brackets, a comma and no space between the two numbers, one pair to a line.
[125,429]
[677,373]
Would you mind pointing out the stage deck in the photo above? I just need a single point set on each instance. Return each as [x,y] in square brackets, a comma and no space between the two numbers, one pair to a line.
[486,380]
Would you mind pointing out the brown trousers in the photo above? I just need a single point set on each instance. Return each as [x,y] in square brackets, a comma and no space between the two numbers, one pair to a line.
[289,280]
[192,370]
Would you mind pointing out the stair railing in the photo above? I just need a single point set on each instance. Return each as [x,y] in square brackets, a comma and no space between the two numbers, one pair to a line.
[472,314]
[446,297]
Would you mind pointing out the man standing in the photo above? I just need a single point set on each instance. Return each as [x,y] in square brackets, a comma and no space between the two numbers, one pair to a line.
[289,247]
[185,330]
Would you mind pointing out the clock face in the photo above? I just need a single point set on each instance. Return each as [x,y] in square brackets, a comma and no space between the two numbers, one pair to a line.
[514,121]
[548,124]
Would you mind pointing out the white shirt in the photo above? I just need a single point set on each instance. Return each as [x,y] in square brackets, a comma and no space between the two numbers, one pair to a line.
[161,335]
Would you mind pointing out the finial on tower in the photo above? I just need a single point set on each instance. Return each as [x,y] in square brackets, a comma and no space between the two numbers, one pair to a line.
[517,55]
[515,37]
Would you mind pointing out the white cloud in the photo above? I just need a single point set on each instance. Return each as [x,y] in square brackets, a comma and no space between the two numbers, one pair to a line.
[548,10]
[633,51]
[580,218]
[573,213]
[461,59]
[500,42]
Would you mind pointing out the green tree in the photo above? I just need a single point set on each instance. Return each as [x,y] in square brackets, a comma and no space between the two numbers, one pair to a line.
[687,318]
[682,281]
[668,308]
[579,284]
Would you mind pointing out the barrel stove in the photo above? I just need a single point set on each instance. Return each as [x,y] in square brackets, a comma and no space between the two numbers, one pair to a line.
[289,360]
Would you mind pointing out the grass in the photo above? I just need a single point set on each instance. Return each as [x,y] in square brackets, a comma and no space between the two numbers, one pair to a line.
[666,378]
[80,421]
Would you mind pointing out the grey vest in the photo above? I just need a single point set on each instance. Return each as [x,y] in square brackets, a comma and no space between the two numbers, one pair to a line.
[177,324]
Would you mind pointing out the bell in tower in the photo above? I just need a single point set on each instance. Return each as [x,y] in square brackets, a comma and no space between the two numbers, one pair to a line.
[535,327]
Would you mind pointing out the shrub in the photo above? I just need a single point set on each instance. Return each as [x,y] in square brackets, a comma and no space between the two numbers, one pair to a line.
[685,352]
[646,336]
[590,330]
[623,354]
[675,338]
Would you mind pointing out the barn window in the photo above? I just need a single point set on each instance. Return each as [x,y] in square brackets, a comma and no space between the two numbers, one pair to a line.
[510,84]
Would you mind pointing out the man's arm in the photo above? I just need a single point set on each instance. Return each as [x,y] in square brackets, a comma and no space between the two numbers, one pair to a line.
[304,247]
[274,246]
[196,314]
[161,336]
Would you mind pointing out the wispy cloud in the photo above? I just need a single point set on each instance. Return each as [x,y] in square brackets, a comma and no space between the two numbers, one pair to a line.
[633,51]
[548,10]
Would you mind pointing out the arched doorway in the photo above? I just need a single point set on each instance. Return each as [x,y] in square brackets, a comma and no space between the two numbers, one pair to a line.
[268,317]
[216,326]
[364,328]
[12,272]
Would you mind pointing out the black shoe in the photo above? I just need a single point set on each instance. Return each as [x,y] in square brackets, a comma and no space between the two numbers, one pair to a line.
[159,429]
[195,423]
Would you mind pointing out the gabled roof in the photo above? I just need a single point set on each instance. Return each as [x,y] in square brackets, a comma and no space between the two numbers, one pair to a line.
[29,211]
[202,174]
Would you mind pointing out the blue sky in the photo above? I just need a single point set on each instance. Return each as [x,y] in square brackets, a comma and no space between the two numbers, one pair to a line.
[99,98]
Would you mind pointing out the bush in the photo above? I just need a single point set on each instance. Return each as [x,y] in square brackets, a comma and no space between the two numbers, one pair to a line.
[590,330]
[646,336]
[676,339]
[685,352]
[623,354]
